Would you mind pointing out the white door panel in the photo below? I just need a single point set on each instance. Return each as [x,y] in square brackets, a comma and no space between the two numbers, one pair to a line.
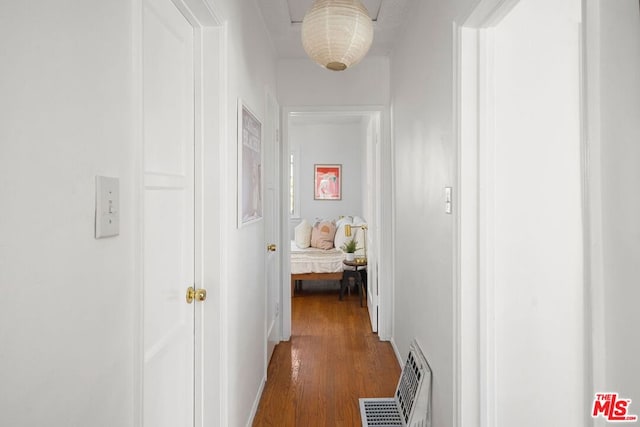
[374,186]
[272,221]
[168,245]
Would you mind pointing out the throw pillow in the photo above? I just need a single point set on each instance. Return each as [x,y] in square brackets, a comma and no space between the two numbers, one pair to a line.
[302,234]
[322,235]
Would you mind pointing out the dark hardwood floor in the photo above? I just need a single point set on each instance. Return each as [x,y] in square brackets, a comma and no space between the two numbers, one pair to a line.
[333,359]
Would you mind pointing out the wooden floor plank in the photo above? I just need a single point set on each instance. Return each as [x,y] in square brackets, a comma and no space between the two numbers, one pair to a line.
[331,361]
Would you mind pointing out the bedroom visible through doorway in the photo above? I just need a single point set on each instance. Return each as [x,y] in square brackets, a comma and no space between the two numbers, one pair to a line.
[349,141]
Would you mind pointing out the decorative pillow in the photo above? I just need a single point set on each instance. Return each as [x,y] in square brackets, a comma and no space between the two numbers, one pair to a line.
[340,238]
[322,235]
[344,220]
[303,234]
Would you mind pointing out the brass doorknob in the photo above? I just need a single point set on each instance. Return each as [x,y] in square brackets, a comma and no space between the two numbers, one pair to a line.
[200,294]
[271,247]
[190,294]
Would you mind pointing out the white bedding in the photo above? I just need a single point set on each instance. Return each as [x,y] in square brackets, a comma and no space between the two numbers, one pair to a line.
[312,260]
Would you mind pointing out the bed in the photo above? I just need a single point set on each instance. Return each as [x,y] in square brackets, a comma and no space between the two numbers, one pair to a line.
[315,264]
[321,260]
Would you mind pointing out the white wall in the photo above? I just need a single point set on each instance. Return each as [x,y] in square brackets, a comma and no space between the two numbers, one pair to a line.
[328,142]
[68,318]
[302,82]
[66,312]
[422,123]
[251,69]
[535,245]
[620,168]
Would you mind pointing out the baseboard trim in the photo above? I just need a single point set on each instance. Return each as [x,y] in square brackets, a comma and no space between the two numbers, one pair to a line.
[271,341]
[397,353]
[256,402]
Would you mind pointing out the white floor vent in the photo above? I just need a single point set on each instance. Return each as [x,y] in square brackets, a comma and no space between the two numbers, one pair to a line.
[411,405]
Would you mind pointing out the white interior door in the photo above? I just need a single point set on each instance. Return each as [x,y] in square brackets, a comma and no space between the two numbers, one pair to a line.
[168,242]
[272,220]
[372,202]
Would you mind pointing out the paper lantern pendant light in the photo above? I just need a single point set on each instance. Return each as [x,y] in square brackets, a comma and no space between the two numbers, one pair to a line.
[337,34]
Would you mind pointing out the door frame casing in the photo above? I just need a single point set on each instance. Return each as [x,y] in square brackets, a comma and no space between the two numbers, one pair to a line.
[595,333]
[210,77]
[474,393]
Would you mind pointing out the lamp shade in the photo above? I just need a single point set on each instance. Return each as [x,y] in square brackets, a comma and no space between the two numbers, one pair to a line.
[337,34]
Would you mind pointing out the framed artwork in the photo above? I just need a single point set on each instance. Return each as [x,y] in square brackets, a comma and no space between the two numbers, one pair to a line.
[327,182]
[249,166]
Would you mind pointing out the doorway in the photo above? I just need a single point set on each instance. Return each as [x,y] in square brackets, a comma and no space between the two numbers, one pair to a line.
[374,200]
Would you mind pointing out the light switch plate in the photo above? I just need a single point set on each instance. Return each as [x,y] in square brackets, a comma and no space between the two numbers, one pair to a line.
[447,200]
[107,207]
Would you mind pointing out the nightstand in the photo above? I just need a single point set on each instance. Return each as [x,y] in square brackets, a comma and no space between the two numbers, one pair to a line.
[356,269]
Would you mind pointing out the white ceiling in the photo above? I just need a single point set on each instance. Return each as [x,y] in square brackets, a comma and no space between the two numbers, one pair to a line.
[284,20]
[329,117]
[298,8]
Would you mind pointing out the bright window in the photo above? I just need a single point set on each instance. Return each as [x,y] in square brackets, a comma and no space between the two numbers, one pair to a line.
[294,193]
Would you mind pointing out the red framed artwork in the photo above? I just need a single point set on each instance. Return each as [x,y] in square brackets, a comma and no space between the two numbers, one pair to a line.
[327,182]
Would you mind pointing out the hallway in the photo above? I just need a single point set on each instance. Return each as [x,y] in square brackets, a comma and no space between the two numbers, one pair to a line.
[508,233]
[332,359]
